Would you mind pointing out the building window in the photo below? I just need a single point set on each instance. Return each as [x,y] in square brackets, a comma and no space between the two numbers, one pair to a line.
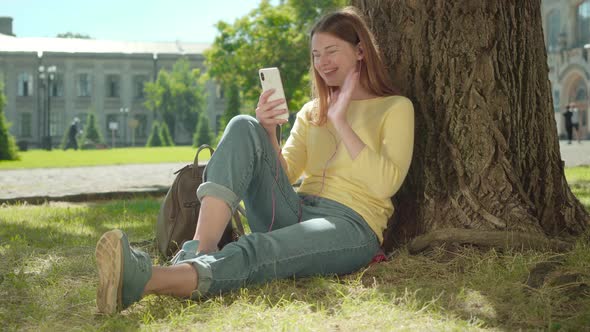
[581,94]
[553,27]
[138,86]
[141,129]
[84,85]
[583,23]
[57,86]
[25,84]
[113,86]
[26,120]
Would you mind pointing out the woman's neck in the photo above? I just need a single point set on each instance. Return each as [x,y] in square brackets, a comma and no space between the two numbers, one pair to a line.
[361,93]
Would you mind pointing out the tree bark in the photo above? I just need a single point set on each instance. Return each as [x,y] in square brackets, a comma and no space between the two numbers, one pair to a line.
[486,153]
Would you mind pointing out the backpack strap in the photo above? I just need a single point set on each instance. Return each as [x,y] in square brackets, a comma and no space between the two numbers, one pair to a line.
[174,195]
[196,161]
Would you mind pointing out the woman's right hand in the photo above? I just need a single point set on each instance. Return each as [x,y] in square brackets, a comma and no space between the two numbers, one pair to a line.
[265,112]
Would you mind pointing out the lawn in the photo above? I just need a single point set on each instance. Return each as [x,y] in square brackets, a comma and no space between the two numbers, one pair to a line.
[72,158]
[48,282]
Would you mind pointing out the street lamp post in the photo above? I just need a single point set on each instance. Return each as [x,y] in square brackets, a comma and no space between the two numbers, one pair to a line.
[155,57]
[47,75]
[155,78]
[124,111]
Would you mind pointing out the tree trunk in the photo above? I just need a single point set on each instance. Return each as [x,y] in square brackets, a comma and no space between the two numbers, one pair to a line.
[486,154]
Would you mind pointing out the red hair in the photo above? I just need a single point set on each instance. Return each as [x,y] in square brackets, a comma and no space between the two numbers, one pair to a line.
[348,24]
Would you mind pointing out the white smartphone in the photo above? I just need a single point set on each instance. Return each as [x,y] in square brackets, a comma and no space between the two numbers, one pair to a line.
[270,78]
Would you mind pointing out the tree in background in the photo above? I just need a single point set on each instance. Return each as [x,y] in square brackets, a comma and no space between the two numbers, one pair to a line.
[64,138]
[155,138]
[203,133]
[8,149]
[91,133]
[165,135]
[232,107]
[177,96]
[269,36]
[486,168]
[307,12]
[264,38]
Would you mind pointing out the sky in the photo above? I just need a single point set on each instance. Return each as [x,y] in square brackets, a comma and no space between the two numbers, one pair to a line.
[130,20]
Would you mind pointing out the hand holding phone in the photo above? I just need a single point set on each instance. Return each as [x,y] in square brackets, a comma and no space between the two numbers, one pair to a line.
[270,78]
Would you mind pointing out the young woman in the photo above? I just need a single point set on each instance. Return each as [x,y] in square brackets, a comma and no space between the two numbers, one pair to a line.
[353,144]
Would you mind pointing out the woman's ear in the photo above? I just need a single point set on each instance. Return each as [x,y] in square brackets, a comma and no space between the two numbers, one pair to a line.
[359,52]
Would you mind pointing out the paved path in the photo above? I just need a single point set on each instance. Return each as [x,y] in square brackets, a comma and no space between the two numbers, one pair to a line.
[39,183]
[575,154]
[85,183]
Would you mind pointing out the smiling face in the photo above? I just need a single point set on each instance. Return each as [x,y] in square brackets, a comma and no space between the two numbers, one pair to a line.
[333,58]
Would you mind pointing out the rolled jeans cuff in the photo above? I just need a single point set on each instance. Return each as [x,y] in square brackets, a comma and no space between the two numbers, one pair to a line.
[204,277]
[218,191]
[188,255]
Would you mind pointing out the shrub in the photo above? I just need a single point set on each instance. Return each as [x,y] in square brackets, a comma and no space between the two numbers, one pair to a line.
[155,138]
[233,105]
[91,132]
[8,148]
[167,139]
[203,133]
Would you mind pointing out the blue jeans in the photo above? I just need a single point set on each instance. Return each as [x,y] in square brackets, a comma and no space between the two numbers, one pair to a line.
[310,235]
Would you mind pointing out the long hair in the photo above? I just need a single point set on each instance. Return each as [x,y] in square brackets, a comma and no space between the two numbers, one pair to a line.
[348,25]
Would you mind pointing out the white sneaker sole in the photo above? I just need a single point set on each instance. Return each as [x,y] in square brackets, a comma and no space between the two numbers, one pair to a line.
[109,261]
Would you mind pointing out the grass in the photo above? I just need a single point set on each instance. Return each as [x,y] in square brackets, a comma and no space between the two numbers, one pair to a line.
[71,158]
[578,179]
[48,282]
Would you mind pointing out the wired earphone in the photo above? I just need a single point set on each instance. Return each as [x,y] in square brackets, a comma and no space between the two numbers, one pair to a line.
[278,164]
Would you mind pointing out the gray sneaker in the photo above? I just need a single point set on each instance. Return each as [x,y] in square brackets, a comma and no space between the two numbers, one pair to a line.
[123,272]
[188,251]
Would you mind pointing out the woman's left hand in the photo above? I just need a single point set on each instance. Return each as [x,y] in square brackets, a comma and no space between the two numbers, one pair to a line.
[341,97]
[337,114]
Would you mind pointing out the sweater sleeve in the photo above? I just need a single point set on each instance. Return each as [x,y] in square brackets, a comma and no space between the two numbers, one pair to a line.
[295,150]
[383,172]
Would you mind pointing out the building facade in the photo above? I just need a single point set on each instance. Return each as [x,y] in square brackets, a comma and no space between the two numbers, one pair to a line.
[50,81]
[567,38]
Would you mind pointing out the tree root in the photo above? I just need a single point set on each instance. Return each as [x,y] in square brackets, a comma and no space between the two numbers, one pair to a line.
[497,239]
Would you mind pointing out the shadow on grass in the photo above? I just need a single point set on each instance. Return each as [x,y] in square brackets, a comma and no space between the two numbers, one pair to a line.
[65,224]
[48,280]
[479,289]
[493,287]
[47,264]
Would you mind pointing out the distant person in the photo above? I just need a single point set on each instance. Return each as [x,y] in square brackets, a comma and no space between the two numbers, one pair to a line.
[72,133]
[576,123]
[568,123]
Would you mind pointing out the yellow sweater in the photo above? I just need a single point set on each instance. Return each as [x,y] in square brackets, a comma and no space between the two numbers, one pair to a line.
[367,183]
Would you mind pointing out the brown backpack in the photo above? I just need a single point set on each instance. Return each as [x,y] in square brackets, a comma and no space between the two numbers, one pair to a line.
[179,212]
